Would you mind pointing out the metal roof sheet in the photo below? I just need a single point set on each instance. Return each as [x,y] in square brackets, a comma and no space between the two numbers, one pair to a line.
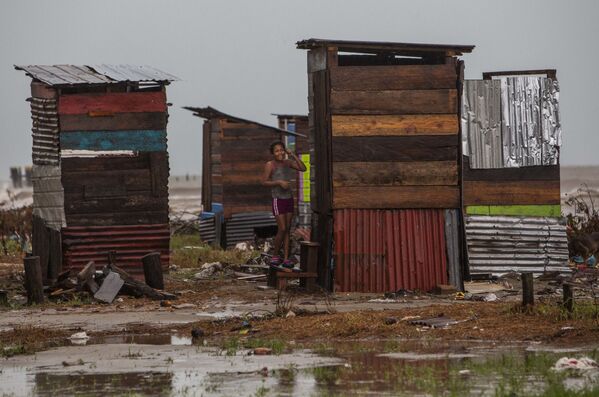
[69,75]
[374,47]
[212,113]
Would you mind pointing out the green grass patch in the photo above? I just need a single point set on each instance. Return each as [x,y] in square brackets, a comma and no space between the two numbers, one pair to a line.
[188,251]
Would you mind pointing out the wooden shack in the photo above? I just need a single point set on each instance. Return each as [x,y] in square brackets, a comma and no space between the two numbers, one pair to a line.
[511,173]
[100,164]
[233,157]
[385,127]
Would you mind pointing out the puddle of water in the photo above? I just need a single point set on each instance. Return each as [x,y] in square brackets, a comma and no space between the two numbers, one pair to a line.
[167,365]
[142,339]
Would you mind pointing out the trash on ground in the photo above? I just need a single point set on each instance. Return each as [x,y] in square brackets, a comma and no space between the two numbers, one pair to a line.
[262,351]
[208,270]
[583,364]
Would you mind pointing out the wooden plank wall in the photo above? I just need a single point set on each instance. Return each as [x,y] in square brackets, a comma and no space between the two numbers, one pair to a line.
[535,185]
[244,150]
[206,168]
[107,191]
[395,136]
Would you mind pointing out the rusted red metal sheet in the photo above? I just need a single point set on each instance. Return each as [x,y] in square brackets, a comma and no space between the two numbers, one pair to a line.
[82,244]
[387,250]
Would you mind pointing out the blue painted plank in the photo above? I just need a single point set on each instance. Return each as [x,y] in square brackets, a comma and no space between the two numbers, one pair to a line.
[137,140]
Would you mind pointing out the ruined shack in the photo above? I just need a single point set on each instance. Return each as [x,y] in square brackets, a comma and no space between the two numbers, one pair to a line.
[385,130]
[511,173]
[234,153]
[100,165]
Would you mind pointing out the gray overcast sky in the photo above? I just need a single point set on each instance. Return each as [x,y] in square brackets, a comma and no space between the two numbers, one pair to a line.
[240,56]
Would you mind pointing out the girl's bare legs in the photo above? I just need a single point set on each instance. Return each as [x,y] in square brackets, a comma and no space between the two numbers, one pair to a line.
[281,233]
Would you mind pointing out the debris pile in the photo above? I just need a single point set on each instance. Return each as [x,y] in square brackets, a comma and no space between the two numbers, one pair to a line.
[103,284]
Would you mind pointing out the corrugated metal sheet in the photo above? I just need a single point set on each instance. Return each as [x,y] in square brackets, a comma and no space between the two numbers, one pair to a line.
[550,121]
[131,243]
[481,123]
[133,73]
[48,195]
[521,128]
[44,115]
[452,241]
[207,230]
[500,244]
[241,226]
[530,123]
[68,75]
[304,214]
[387,250]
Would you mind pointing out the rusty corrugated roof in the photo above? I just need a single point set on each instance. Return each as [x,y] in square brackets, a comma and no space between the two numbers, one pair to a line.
[375,47]
[212,113]
[69,75]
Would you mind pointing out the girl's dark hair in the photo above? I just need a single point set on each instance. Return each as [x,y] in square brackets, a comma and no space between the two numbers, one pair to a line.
[275,143]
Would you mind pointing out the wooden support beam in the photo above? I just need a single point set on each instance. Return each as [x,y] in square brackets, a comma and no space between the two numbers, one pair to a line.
[528,295]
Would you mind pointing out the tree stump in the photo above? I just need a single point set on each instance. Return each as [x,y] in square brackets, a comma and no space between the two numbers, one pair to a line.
[153,270]
[528,293]
[33,280]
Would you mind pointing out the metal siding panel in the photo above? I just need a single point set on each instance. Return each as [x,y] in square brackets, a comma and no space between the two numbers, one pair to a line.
[66,75]
[240,227]
[137,140]
[48,195]
[452,239]
[527,110]
[133,73]
[131,243]
[44,130]
[386,250]
[500,244]
[550,121]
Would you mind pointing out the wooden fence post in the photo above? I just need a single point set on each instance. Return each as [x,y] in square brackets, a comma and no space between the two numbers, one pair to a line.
[528,293]
[153,270]
[33,280]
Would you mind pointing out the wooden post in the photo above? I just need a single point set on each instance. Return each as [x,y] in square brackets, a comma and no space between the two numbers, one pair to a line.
[153,270]
[568,297]
[528,296]
[3,298]
[33,280]
[308,263]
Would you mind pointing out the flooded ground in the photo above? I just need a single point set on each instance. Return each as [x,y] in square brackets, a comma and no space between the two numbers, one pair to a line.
[171,365]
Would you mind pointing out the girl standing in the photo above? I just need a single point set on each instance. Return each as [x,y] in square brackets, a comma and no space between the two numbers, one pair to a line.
[278,174]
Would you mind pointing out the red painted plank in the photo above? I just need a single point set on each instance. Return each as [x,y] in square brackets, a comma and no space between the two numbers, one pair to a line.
[105,103]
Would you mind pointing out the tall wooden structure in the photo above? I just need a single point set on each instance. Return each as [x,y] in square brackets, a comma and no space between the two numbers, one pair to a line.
[385,130]
[100,164]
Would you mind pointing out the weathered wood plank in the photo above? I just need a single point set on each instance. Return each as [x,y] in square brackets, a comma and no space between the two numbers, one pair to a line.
[396,125]
[118,218]
[138,140]
[395,173]
[405,148]
[394,102]
[397,197]
[106,103]
[409,77]
[113,122]
[127,202]
[79,164]
[532,173]
[41,90]
[511,192]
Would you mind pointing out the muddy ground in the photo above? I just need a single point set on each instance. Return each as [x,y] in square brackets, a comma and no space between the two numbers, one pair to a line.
[330,343]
